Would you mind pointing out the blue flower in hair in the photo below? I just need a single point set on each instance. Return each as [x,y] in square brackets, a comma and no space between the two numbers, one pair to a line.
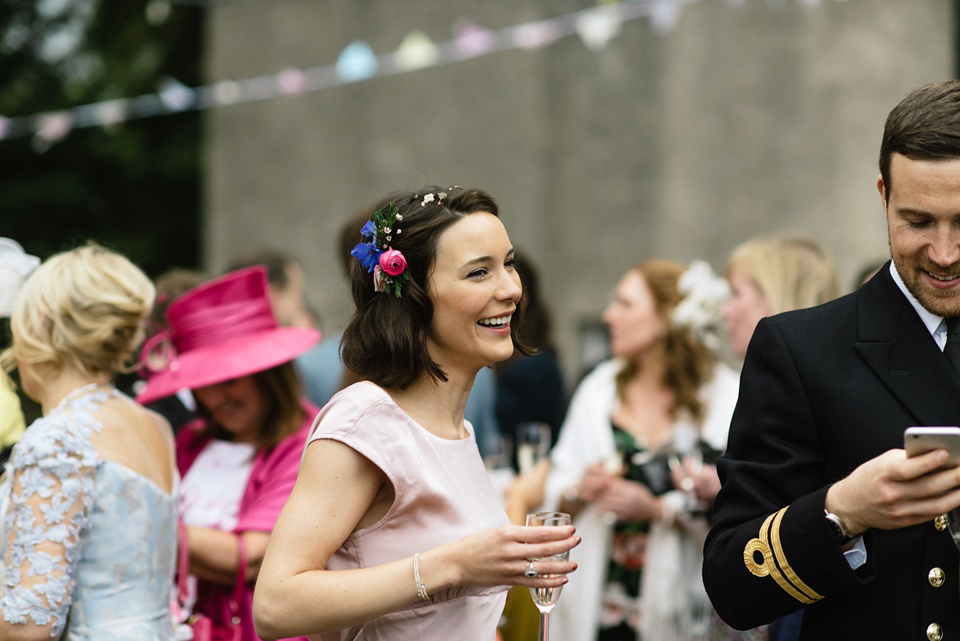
[367,254]
[369,230]
[388,265]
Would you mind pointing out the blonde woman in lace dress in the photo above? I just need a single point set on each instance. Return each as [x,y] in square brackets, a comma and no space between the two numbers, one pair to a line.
[88,500]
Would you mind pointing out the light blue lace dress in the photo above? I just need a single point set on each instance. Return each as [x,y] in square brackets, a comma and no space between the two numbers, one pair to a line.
[89,545]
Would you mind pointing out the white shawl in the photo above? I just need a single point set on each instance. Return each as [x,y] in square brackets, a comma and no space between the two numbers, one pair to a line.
[585,438]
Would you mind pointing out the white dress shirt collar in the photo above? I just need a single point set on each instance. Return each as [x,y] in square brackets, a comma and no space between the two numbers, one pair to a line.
[931,321]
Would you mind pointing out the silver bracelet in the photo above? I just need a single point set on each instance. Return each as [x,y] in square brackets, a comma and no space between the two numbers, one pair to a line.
[421,588]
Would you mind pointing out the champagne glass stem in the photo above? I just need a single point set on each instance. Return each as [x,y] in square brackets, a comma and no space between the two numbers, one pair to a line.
[544,626]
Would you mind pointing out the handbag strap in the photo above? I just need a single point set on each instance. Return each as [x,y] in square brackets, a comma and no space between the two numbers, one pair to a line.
[240,583]
[183,558]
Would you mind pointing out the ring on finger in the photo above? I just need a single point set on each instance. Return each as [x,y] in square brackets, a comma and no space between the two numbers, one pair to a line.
[531,571]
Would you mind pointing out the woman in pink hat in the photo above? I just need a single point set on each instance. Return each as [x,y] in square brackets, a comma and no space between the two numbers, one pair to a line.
[88,507]
[393,530]
[239,460]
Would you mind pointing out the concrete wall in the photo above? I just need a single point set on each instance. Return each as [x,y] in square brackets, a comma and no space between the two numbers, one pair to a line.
[747,116]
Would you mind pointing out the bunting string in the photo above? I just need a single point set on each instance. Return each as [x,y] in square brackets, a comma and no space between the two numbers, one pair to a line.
[357,62]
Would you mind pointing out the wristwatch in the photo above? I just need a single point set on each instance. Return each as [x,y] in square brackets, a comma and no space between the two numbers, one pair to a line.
[837,527]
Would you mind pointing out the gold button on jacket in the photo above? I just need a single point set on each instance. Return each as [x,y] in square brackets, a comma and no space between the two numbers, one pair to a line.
[940,522]
[936,577]
[934,632]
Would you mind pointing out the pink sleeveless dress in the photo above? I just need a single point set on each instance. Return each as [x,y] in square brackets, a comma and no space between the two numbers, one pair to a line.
[442,494]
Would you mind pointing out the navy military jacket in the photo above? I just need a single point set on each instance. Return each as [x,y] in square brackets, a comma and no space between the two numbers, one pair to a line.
[822,391]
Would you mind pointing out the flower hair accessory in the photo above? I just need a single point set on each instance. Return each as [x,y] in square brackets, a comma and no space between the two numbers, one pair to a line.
[388,265]
[15,266]
[700,309]
[431,197]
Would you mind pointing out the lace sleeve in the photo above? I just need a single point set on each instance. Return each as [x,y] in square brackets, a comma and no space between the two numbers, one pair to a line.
[52,481]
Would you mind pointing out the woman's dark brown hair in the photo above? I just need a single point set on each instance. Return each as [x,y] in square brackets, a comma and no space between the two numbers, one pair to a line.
[280,386]
[689,363]
[386,339]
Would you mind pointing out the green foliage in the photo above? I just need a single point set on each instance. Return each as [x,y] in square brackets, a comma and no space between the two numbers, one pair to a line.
[134,187]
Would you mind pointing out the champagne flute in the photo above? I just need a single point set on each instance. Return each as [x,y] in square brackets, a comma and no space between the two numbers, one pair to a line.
[686,446]
[533,445]
[546,598]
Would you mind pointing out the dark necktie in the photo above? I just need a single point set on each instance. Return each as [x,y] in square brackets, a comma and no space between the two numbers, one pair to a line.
[952,349]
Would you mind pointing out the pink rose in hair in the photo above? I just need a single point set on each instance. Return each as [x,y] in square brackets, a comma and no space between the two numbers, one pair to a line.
[393,262]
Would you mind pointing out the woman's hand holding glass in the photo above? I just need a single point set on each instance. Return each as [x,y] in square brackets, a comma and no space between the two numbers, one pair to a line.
[501,555]
[626,500]
[594,482]
[617,498]
[700,480]
[545,597]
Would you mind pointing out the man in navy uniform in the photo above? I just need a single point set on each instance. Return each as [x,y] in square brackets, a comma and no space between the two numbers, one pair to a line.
[820,508]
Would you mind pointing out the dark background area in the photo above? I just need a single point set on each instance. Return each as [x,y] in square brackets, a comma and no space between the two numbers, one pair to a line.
[134,187]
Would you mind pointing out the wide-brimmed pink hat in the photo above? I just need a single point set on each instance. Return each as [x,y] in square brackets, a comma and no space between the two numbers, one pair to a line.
[218,331]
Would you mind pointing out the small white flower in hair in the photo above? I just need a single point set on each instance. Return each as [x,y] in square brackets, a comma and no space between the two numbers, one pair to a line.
[701,308]
[427,199]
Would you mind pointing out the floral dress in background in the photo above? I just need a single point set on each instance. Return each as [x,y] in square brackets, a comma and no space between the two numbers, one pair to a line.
[621,592]
[621,611]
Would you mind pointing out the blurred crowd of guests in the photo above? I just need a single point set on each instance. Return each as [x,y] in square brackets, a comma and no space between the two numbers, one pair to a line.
[236,366]
[363,487]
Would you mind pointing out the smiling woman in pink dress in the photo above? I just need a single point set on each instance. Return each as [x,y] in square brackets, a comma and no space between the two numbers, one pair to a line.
[393,530]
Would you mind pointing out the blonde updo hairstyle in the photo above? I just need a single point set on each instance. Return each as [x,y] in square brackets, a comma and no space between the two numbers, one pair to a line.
[790,271]
[82,308]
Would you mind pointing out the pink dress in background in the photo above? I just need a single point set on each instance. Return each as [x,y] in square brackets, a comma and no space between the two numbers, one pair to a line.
[271,479]
[442,494]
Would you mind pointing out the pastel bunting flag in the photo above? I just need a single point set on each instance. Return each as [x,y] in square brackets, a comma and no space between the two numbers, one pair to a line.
[356,62]
[291,81]
[473,40]
[664,16]
[110,112]
[536,35]
[53,128]
[599,26]
[227,92]
[176,96]
[416,51]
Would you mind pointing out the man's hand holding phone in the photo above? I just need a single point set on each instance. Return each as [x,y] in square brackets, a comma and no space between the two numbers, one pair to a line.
[895,490]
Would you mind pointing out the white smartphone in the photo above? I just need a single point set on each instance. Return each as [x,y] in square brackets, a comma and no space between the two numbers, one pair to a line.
[919,440]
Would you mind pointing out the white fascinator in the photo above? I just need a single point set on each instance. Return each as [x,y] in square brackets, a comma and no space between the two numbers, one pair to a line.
[15,266]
